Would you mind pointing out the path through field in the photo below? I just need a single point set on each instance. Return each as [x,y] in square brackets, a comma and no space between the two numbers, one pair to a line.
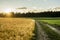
[41,35]
[51,27]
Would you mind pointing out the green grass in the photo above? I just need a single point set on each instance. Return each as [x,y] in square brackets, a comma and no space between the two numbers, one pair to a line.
[51,34]
[52,21]
[46,18]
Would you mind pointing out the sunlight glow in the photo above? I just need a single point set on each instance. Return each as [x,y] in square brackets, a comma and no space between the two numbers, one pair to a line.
[7,10]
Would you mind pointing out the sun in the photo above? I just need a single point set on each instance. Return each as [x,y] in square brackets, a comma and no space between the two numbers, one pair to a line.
[7,10]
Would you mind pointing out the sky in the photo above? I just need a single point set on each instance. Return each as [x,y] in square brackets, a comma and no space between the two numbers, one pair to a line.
[29,3]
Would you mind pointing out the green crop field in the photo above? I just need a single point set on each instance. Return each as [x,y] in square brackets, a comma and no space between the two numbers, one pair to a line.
[49,20]
[51,33]
[46,18]
[52,21]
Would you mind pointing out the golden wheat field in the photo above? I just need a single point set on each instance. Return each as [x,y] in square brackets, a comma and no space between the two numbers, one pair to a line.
[16,28]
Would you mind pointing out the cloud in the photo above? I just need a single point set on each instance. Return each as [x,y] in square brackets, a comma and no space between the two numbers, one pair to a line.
[22,8]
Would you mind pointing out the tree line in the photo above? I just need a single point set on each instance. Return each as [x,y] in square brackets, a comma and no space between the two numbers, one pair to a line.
[32,14]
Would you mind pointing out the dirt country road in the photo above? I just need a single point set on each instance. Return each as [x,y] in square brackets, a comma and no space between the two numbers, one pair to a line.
[41,35]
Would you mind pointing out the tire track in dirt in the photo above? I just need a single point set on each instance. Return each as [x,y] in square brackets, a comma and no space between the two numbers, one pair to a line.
[54,29]
[41,35]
